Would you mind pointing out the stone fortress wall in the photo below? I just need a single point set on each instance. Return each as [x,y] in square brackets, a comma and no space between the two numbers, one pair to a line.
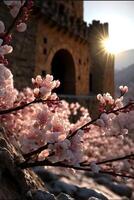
[58,41]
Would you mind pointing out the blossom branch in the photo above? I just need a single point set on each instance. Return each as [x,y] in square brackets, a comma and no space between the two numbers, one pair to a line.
[37,151]
[94,120]
[120,109]
[82,127]
[59,164]
[46,121]
[10,110]
[130,156]
[16,18]
[71,135]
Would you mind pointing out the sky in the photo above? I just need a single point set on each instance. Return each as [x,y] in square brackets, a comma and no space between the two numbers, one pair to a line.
[119,15]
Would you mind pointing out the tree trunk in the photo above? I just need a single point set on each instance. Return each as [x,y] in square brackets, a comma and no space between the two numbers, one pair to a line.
[17,184]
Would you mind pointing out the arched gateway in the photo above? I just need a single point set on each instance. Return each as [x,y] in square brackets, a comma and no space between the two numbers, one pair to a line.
[63,69]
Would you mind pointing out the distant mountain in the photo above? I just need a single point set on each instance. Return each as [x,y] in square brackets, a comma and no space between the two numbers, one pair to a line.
[124,59]
[125,76]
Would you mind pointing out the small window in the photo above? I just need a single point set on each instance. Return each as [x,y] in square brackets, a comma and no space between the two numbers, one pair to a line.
[80,61]
[49,3]
[61,9]
[43,73]
[72,3]
[45,40]
[45,51]
[72,20]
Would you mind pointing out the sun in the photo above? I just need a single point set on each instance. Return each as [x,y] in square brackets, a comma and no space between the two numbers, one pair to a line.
[112,45]
[120,36]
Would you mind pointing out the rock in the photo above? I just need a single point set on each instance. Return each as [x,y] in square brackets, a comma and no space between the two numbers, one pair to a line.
[46,176]
[97,176]
[59,186]
[63,196]
[62,183]
[85,193]
[42,195]
[120,189]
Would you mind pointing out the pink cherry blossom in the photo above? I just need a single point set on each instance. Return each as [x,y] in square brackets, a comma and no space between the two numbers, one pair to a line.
[123,89]
[21,27]
[2,27]
[5,49]
[68,141]
[1,41]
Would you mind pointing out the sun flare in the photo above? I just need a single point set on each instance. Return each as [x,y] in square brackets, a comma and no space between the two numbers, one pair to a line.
[112,46]
[120,36]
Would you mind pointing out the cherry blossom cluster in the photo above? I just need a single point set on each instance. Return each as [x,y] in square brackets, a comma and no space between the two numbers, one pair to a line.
[21,7]
[7,92]
[38,124]
[107,103]
[15,6]
[44,86]
[5,47]
[41,124]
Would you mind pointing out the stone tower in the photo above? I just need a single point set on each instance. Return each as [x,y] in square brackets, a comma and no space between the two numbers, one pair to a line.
[58,41]
[62,49]
[101,76]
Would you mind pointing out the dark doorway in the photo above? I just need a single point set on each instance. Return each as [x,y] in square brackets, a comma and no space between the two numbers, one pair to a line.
[63,69]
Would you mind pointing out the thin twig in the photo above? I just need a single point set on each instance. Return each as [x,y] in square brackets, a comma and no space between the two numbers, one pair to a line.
[120,109]
[82,127]
[130,156]
[37,151]
[10,110]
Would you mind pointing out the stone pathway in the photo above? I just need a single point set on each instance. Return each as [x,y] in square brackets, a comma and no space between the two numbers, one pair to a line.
[76,186]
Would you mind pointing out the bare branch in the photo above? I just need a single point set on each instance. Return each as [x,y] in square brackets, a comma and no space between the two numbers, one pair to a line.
[130,156]
[59,164]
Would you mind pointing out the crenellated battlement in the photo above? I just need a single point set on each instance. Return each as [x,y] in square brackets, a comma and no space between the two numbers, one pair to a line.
[57,14]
